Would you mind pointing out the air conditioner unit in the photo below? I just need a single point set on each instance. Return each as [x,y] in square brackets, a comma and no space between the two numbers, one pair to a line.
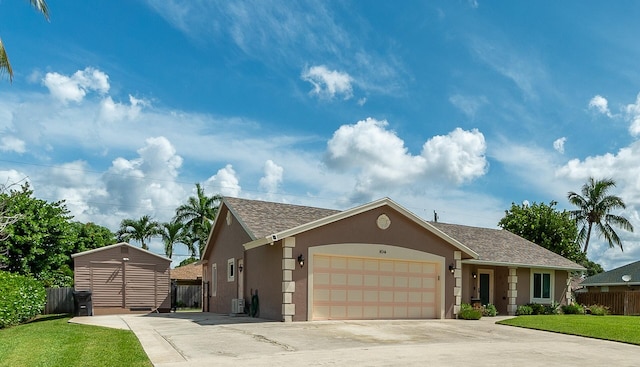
[237,305]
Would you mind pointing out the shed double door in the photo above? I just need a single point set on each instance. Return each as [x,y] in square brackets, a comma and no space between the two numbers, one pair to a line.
[126,285]
[368,288]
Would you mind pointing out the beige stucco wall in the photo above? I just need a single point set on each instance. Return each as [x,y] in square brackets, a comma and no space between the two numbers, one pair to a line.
[227,240]
[362,229]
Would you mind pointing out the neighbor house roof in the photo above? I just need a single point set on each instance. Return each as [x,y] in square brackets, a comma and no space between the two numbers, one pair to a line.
[120,244]
[501,247]
[191,271]
[614,276]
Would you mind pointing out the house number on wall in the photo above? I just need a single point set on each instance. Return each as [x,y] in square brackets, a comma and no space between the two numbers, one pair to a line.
[383,251]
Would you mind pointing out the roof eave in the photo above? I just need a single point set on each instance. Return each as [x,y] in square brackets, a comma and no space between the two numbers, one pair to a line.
[610,284]
[522,265]
[355,211]
[73,256]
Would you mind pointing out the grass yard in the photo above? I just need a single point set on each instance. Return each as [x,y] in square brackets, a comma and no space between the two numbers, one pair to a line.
[51,341]
[624,329]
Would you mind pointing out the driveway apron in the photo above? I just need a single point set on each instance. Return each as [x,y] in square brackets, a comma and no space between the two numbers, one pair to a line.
[205,339]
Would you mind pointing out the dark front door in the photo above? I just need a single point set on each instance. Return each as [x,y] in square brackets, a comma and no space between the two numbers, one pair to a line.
[484,289]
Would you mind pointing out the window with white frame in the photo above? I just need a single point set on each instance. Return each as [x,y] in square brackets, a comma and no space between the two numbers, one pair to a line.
[542,286]
[231,270]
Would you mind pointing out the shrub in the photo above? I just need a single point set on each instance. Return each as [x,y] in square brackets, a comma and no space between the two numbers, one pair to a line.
[598,310]
[574,309]
[21,298]
[524,310]
[551,309]
[467,312]
[489,310]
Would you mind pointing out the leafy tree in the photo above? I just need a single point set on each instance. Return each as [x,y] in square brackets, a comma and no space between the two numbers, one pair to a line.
[39,242]
[5,65]
[89,236]
[544,225]
[187,261]
[172,233]
[139,230]
[554,230]
[198,214]
[594,207]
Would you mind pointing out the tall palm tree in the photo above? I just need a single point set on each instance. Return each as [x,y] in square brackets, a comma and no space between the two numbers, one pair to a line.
[139,230]
[5,65]
[198,214]
[172,233]
[594,207]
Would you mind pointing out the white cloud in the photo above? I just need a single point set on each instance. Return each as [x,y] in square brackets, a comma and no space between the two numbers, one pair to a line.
[225,181]
[623,168]
[272,177]
[145,184]
[114,111]
[600,105]
[328,83]
[633,115]
[381,161]
[75,87]
[558,144]
[12,144]
[362,101]
[12,179]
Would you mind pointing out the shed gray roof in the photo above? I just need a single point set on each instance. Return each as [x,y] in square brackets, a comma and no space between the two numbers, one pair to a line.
[614,276]
[503,247]
[263,218]
[500,247]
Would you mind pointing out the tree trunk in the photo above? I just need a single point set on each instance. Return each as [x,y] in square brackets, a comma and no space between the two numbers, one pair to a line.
[586,243]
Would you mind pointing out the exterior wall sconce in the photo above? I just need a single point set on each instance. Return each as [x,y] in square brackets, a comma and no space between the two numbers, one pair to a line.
[452,268]
[474,275]
[125,259]
[240,267]
[301,260]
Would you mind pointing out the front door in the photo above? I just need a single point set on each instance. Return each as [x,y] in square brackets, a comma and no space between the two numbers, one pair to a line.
[484,289]
[485,286]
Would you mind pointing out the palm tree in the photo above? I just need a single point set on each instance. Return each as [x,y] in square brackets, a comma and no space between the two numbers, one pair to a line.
[5,65]
[139,230]
[172,233]
[198,214]
[594,207]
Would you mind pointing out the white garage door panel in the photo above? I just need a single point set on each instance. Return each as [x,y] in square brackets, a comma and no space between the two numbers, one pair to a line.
[357,288]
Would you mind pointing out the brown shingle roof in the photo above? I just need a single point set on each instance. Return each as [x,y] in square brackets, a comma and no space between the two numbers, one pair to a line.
[500,246]
[262,218]
[191,271]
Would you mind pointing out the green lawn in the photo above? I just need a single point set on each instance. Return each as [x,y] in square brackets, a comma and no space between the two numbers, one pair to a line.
[51,341]
[624,329]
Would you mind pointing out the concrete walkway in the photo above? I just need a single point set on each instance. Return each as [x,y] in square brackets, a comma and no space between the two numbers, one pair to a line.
[204,339]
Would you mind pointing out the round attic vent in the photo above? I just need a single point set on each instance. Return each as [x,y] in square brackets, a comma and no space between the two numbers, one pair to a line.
[383,221]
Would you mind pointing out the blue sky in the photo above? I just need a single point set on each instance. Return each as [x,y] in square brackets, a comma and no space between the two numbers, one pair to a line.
[461,107]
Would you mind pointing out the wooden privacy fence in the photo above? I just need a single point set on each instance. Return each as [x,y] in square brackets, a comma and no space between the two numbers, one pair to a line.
[189,296]
[619,303]
[59,300]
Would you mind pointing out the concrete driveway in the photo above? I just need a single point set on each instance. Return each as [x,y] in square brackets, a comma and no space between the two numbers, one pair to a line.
[204,339]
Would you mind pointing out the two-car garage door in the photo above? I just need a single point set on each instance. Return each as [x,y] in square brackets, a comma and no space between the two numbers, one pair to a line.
[346,287]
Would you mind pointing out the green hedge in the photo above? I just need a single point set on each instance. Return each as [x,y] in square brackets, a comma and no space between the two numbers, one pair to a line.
[21,298]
